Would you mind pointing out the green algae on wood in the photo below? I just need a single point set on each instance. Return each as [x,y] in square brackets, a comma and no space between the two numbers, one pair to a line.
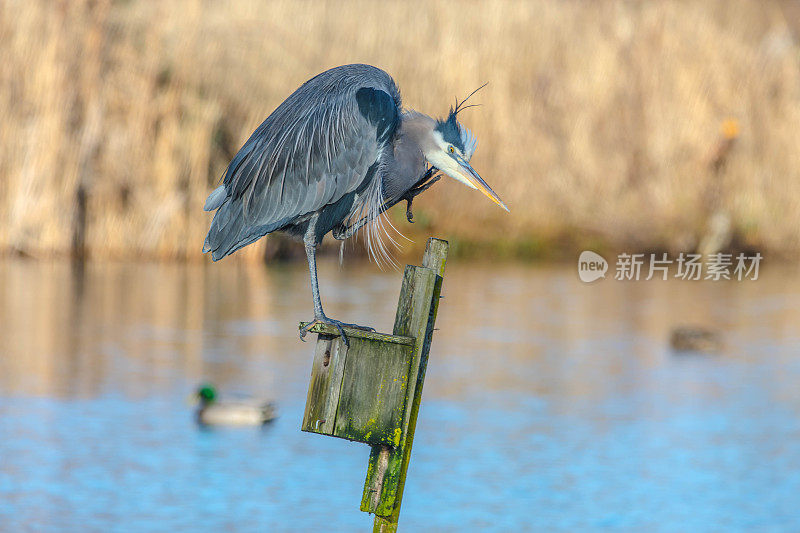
[373,395]
[371,391]
[328,329]
[358,392]
[416,316]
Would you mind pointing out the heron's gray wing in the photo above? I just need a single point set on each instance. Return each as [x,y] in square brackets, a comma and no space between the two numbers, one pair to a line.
[316,147]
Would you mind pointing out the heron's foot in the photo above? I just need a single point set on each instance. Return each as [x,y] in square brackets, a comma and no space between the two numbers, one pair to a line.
[335,323]
[339,232]
[415,191]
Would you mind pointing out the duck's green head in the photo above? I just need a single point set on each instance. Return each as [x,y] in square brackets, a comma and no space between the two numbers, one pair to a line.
[206,393]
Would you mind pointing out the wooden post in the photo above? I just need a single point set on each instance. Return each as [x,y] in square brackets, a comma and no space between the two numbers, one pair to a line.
[416,316]
[370,391]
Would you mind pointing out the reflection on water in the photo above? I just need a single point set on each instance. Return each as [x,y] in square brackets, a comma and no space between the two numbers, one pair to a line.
[549,404]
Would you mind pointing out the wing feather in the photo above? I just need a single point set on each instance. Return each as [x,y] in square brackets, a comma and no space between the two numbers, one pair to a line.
[315,148]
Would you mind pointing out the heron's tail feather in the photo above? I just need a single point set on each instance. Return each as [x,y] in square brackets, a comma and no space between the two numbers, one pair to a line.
[226,228]
[230,231]
[215,199]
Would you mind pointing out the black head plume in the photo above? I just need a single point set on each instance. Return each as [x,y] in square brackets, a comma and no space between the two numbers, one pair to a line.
[461,107]
[449,128]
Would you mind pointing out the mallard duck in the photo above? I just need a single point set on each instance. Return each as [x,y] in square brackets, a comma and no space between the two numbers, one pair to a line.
[239,412]
[695,339]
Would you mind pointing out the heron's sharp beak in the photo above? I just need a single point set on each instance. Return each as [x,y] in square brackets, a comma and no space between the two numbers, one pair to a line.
[473,179]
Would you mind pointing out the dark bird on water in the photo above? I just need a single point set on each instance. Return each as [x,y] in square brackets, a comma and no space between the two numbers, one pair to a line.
[695,339]
[332,158]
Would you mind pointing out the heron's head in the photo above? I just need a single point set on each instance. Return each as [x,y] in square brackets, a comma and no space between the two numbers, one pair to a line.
[450,147]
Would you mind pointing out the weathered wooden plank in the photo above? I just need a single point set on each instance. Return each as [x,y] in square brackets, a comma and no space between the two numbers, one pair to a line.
[359,392]
[327,329]
[415,320]
[436,256]
[403,314]
[327,371]
[373,398]
[416,315]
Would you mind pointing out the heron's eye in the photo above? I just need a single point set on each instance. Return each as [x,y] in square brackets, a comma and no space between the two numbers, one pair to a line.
[451,149]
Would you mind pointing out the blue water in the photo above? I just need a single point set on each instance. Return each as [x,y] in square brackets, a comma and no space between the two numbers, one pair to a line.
[549,405]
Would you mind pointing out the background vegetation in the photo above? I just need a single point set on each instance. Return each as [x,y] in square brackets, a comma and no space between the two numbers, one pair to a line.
[617,125]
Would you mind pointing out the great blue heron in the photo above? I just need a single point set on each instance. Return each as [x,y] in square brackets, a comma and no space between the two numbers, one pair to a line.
[333,157]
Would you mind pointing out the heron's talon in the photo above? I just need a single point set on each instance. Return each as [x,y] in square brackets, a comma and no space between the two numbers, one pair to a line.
[415,191]
[306,329]
[341,333]
[337,324]
[339,232]
[409,214]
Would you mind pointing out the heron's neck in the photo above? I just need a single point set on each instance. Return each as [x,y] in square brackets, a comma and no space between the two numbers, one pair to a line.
[418,129]
[408,163]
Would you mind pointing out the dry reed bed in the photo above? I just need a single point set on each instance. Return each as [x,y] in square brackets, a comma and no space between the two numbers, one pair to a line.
[599,125]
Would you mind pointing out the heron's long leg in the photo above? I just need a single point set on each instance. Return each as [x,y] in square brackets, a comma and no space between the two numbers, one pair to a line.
[311,255]
[309,240]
